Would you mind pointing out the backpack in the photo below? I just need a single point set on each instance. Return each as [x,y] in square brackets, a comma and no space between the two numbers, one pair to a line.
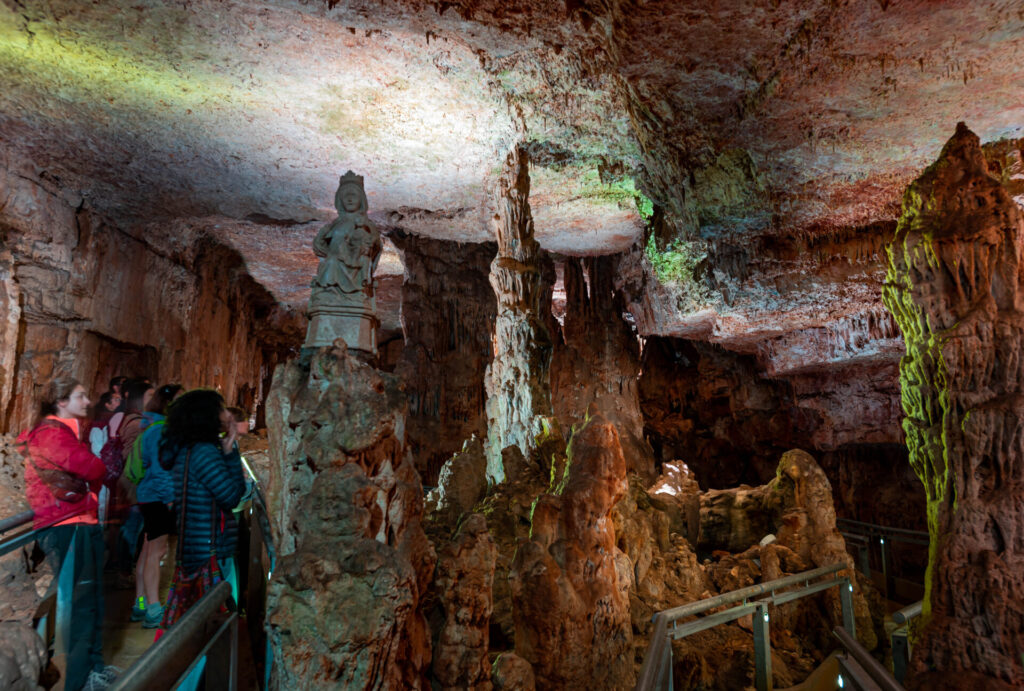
[64,485]
[133,467]
[112,453]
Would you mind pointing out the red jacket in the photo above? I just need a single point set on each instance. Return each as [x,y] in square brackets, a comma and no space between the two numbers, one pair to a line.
[59,445]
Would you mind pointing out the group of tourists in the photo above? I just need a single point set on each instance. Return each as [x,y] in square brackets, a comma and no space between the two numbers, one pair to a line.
[152,462]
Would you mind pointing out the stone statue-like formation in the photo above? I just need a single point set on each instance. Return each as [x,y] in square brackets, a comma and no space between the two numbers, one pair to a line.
[342,304]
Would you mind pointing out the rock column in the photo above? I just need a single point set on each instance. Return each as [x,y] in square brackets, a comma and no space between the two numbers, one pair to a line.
[344,601]
[518,389]
[954,287]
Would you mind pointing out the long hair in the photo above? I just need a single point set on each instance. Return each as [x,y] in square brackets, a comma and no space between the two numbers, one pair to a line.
[133,392]
[57,390]
[193,418]
[162,398]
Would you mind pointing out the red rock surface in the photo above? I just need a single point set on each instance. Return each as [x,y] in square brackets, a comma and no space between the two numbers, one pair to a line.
[571,606]
[955,287]
[82,296]
[464,581]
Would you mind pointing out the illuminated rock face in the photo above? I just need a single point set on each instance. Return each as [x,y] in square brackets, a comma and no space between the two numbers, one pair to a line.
[464,582]
[344,602]
[596,360]
[954,286]
[569,587]
[518,388]
[82,296]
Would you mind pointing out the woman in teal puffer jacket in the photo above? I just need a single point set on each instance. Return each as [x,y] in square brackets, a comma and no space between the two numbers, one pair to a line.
[200,433]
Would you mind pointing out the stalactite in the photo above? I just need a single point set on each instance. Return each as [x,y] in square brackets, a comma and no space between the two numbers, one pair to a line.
[518,390]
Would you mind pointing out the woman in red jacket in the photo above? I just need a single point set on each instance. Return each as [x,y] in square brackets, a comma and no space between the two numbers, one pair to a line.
[62,477]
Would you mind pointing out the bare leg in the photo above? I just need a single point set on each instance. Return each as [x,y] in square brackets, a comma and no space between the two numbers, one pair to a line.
[156,550]
[140,565]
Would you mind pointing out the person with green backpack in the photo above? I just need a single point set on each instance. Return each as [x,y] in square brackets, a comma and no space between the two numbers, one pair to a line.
[155,495]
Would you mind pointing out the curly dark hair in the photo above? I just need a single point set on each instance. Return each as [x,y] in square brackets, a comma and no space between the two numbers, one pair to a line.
[193,418]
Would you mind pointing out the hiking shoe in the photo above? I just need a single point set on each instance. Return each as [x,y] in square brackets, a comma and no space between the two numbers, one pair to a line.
[154,615]
[96,682]
[110,673]
[139,609]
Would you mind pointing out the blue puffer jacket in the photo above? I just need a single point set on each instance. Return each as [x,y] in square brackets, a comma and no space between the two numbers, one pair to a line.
[215,484]
[157,484]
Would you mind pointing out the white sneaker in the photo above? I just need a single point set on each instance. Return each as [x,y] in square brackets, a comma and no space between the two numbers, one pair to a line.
[96,682]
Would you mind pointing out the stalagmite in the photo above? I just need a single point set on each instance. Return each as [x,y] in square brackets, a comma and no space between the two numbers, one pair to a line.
[954,287]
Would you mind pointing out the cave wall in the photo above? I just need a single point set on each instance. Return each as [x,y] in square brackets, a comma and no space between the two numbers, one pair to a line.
[718,411]
[596,362]
[448,313]
[83,297]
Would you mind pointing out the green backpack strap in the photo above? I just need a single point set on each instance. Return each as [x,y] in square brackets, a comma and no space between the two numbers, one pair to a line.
[133,468]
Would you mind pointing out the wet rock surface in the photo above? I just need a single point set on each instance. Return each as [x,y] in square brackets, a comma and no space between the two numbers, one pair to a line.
[954,287]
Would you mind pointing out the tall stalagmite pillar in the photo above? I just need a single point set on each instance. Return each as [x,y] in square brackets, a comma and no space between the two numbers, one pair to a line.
[344,604]
[954,286]
[518,388]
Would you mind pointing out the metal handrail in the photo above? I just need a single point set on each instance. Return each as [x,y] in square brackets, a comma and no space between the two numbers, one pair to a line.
[874,530]
[900,642]
[749,592]
[150,669]
[17,520]
[656,672]
[878,677]
[902,616]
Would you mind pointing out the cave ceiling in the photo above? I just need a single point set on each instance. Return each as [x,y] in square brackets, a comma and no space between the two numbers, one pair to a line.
[739,118]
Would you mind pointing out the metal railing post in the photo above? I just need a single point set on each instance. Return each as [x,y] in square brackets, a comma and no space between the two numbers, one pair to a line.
[900,653]
[887,574]
[846,601]
[762,649]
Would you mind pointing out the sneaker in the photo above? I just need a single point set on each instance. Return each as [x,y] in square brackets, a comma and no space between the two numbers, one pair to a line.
[139,609]
[110,673]
[96,682]
[154,615]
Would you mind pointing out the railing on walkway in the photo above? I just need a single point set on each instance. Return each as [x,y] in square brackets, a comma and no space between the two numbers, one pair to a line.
[858,670]
[656,673]
[898,639]
[52,618]
[864,537]
[209,637]
[203,636]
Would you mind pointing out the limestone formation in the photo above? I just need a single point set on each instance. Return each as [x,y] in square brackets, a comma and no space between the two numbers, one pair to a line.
[464,579]
[83,295]
[462,481]
[954,287]
[518,388]
[570,583]
[342,303]
[796,507]
[597,360]
[512,673]
[448,312]
[344,604]
[22,657]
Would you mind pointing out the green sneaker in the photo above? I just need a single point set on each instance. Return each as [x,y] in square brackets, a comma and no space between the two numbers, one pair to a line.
[154,615]
[139,609]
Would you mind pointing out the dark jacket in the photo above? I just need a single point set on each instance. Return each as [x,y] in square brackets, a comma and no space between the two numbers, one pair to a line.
[52,443]
[215,484]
